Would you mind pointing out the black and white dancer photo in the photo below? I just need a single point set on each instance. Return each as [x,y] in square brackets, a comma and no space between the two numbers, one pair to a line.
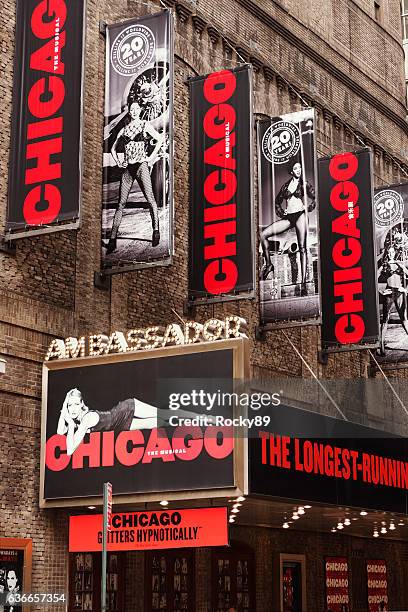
[391,218]
[11,576]
[137,187]
[77,419]
[136,165]
[288,228]
[292,211]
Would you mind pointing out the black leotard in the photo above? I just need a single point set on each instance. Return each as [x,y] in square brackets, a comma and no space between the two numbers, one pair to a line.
[118,419]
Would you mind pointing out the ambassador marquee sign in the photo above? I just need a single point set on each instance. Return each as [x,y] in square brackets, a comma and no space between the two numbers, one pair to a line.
[190,332]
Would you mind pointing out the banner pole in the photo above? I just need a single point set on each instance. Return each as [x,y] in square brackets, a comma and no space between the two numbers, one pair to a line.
[106,487]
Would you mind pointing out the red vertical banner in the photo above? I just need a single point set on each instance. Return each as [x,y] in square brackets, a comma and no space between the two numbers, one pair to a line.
[336,570]
[377,585]
[348,264]
[221,250]
[45,158]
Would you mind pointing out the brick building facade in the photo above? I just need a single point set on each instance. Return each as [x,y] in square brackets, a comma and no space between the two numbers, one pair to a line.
[343,57]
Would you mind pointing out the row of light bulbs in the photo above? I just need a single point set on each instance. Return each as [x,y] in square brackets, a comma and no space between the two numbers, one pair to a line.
[237,503]
[297,513]
[383,530]
[346,522]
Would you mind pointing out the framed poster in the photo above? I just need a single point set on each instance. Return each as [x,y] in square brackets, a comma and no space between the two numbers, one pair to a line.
[377,585]
[336,570]
[15,567]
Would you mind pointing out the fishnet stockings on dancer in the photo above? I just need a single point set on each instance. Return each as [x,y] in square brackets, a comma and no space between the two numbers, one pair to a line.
[142,175]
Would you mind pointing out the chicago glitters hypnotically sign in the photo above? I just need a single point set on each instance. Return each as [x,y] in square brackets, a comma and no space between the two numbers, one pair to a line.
[151,530]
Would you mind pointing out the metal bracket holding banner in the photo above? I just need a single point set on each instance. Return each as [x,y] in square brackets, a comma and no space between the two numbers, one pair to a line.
[323,357]
[260,334]
[8,247]
[189,309]
[102,281]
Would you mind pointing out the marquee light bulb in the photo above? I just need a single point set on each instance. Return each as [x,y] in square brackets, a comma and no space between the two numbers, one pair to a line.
[347,522]
[240,499]
[401,523]
[285,525]
[340,525]
[392,526]
[301,510]
[333,529]
[375,534]
[307,507]
[164,502]
[91,507]
[232,519]
[383,530]
[235,510]
[237,505]
[363,513]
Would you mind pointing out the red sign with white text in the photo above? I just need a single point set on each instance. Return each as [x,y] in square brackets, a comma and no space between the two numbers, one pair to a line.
[151,530]
[337,583]
[377,584]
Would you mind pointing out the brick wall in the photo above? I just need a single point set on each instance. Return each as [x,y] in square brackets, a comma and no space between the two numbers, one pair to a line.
[46,287]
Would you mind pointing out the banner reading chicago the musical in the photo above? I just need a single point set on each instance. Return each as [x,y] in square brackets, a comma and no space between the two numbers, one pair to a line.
[288,218]
[137,161]
[348,271]
[221,257]
[45,158]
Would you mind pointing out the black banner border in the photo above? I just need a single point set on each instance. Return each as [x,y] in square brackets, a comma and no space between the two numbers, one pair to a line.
[61,225]
[339,348]
[250,293]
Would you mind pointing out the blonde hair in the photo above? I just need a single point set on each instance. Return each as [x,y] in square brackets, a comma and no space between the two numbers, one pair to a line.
[76,393]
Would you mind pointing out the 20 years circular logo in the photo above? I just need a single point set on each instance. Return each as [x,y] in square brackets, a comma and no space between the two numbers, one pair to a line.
[132,49]
[281,141]
[388,206]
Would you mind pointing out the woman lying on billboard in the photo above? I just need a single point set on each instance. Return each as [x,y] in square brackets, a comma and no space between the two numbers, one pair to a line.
[396,274]
[136,165]
[294,215]
[76,419]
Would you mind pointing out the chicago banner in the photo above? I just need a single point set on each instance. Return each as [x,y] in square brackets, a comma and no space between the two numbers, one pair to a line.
[45,159]
[391,233]
[348,267]
[337,583]
[288,218]
[377,585]
[137,216]
[221,257]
